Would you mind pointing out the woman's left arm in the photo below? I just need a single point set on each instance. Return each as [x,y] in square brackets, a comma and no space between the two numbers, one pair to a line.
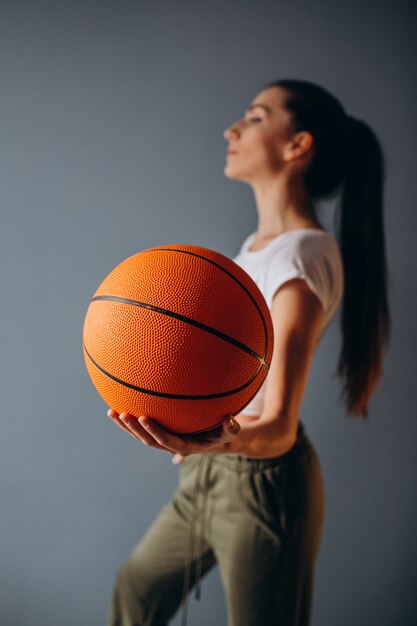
[297,316]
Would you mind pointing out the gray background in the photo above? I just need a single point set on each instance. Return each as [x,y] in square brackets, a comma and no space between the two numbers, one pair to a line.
[112,116]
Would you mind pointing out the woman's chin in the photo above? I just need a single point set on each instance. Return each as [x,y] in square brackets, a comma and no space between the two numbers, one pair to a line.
[232,174]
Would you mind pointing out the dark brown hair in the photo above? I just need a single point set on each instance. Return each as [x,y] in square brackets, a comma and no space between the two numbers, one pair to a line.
[348,159]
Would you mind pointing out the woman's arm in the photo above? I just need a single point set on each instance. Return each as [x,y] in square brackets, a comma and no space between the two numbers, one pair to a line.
[297,316]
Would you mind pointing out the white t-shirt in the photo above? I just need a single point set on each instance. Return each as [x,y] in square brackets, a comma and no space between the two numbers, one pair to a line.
[307,253]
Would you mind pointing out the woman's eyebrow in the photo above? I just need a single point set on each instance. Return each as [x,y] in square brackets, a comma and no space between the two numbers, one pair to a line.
[262,106]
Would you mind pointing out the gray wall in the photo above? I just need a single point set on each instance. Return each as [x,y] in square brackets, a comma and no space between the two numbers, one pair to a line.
[112,116]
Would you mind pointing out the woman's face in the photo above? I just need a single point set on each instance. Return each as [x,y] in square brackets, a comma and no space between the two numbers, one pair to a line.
[257,142]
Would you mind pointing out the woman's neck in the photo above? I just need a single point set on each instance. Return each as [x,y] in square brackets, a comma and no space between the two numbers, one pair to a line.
[282,206]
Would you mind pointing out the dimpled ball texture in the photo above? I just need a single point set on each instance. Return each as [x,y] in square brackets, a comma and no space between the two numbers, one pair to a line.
[178,333]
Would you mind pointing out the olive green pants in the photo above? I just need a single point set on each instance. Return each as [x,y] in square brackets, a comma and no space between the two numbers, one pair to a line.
[260,520]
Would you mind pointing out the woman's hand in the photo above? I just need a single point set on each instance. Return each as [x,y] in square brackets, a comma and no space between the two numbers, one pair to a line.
[152,434]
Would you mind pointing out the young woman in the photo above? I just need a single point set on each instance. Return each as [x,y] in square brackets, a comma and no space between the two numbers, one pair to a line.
[250,496]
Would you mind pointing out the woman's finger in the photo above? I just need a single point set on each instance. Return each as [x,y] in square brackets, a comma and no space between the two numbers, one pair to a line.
[231,427]
[116,419]
[163,437]
[130,425]
[135,428]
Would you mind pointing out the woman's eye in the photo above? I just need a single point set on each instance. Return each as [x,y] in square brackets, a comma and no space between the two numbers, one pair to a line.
[254,120]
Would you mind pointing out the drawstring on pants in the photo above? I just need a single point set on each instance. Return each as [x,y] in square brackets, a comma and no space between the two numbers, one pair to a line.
[192,537]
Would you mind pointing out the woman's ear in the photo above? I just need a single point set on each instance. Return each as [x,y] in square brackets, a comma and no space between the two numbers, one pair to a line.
[299,145]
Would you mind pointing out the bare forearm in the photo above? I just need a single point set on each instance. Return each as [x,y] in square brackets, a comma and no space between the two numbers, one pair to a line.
[261,437]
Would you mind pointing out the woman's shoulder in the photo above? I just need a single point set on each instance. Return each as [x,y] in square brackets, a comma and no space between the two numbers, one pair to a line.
[315,251]
[313,242]
[302,240]
[307,250]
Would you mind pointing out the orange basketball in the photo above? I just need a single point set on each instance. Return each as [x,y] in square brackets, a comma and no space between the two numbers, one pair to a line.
[179,333]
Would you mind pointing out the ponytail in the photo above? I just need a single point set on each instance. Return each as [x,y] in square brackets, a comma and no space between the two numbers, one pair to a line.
[365,318]
[348,158]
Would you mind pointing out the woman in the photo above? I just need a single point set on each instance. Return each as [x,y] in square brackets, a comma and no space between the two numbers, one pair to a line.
[250,496]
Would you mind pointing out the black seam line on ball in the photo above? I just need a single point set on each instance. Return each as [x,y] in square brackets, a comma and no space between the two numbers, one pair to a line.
[200,256]
[187,320]
[173,396]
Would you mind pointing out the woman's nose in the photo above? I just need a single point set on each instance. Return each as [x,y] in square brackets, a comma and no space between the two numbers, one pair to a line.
[231,132]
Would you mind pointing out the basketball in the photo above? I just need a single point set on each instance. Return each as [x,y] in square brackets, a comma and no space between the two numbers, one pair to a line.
[178,333]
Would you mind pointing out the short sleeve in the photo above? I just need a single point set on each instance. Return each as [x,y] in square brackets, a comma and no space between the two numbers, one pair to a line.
[308,259]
